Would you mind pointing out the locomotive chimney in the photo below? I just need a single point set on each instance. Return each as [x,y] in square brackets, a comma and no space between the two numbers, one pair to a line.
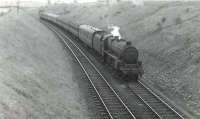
[128,43]
[116,37]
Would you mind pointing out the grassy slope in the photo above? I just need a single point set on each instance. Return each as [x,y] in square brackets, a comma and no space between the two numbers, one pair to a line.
[37,79]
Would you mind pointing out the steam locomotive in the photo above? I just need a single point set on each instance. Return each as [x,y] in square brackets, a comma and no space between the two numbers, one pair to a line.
[118,52]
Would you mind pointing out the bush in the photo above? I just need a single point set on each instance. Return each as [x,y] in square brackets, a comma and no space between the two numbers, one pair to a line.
[116,13]
[178,20]
[1,14]
[187,10]
[163,19]
[100,17]
[106,15]
[159,25]
[66,11]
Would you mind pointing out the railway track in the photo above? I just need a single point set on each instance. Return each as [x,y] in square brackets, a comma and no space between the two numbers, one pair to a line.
[115,108]
[145,113]
[149,111]
[155,102]
[105,96]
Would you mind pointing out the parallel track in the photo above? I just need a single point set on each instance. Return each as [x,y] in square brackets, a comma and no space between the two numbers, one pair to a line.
[115,108]
[155,102]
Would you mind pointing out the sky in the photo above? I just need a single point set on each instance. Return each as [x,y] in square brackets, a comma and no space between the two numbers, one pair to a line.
[8,2]
[43,2]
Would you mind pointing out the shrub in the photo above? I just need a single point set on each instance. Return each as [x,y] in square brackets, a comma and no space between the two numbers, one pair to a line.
[187,10]
[100,17]
[163,19]
[106,15]
[159,25]
[116,13]
[178,20]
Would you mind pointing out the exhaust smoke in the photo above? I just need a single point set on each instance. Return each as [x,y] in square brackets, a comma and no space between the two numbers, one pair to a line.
[115,31]
[137,2]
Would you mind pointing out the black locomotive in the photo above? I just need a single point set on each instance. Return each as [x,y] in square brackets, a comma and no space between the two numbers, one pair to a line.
[117,52]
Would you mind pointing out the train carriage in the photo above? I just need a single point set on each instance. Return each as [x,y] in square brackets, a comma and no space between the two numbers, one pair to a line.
[86,34]
[70,26]
[50,17]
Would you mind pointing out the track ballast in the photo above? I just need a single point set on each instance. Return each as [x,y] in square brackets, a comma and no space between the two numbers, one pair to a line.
[154,102]
[105,96]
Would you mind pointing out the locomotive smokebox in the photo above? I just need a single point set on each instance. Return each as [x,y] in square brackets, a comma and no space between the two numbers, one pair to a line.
[123,49]
[130,54]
